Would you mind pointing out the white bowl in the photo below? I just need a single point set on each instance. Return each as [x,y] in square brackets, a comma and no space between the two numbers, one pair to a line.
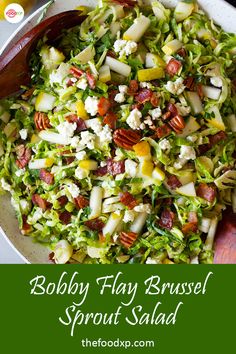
[223,13]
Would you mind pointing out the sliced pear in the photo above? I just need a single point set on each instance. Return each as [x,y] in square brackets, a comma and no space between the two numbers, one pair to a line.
[90,165]
[158,174]
[112,224]
[211,92]
[44,102]
[191,127]
[150,74]
[95,202]
[41,163]
[142,149]
[137,29]
[80,108]
[217,121]
[139,222]
[105,73]
[154,60]
[183,10]
[172,47]
[118,66]
[187,190]
[194,102]
[86,55]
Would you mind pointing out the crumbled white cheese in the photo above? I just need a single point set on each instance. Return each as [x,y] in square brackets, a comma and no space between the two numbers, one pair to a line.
[131,168]
[20,172]
[82,83]
[129,216]
[123,88]
[147,208]
[81,155]
[23,134]
[165,144]
[133,119]
[155,113]
[73,189]
[175,87]
[180,163]
[87,140]
[105,136]
[67,129]
[58,75]
[81,173]
[183,110]
[24,205]
[103,163]
[148,121]
[216,81]
[144,84]
[74,142]
[119,97]
[125,48]
[187,152]
[91,105]
[119,155]
[142,126]
[96,125]
[150,260]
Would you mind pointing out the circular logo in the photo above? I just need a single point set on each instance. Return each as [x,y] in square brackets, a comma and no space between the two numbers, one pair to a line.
[14,13]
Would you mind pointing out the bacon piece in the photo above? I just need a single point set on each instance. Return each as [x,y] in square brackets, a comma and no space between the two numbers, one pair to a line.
[23,156]
[73,118]
[213,140]
[155,99]
[42,203]
[172,109]
[167,201]
[128,200]
[81,202]
[177,123]
[182,52]
[26,228]
[65,217]
[110,119]
[95,224]
[173,182]
[199,90]
[189,227]
[143,96]
[206,192]
[63,200]
[103,106]
[133,87]
[70,83]
[101,171]
[127,239]
[162,131]
[167,219]
[41,121]
[115,167]
[69,159]
[91,80]
[46,176]
[126,3]
[189,82]
[76,72]
[173,67]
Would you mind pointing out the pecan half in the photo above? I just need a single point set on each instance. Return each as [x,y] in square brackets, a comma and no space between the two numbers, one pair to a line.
[41,121]
[126,138]
[177,123]
[128,238]
[23,154]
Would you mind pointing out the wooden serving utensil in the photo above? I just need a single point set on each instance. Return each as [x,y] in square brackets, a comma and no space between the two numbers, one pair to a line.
[225,240]
[14,65]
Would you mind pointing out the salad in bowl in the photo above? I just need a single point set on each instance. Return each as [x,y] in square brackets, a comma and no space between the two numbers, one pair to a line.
[122,150]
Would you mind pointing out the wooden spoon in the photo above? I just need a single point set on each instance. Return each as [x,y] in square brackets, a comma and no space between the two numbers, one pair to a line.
[14,65]
[225,240]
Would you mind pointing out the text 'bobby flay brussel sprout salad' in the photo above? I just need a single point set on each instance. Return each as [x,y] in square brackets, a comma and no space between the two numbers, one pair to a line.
[123,149]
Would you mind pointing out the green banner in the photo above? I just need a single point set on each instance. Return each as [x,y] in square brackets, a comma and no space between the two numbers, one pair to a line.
[134,309]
